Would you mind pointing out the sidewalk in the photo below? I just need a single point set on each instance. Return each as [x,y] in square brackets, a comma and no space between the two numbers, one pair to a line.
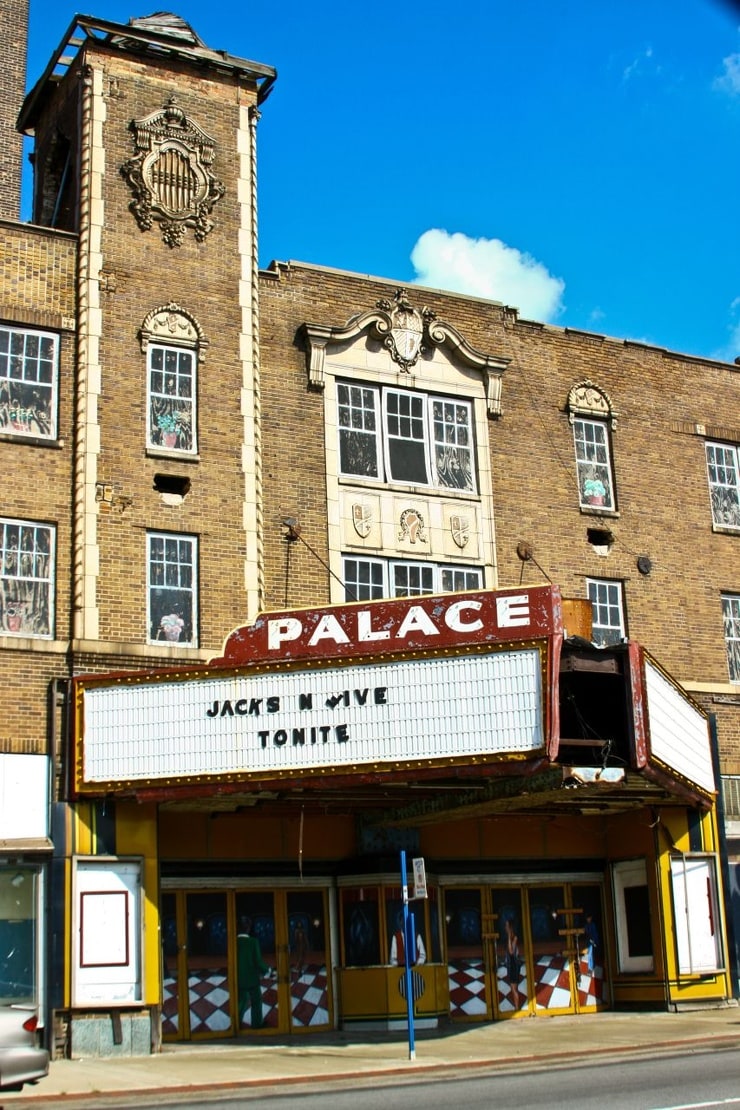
[180,1070]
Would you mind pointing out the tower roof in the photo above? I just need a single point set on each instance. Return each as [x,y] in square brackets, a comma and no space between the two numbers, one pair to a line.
[158,35]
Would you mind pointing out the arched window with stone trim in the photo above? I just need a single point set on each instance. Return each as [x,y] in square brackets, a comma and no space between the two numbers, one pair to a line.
[174,345]
[593,419]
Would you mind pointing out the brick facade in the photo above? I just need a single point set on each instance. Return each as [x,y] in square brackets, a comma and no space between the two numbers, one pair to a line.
[262,428]
[667,405]
[124,264]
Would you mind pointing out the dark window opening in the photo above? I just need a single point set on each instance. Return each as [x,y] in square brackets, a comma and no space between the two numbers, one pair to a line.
[172,484]
[55,202]
[637,914]
[594,719]
[600,537]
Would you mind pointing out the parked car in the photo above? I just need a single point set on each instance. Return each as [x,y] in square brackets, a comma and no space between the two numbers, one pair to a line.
[22,1060]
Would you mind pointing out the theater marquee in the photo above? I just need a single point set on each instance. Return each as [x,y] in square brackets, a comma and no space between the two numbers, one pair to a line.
[427,681]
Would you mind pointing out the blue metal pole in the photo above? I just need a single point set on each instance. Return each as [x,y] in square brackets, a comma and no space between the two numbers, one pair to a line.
[407,958]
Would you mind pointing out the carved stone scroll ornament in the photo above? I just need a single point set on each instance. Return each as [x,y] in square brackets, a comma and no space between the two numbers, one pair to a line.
[170,175]
[407,333]
[403,329]
[171,324]
[590,400]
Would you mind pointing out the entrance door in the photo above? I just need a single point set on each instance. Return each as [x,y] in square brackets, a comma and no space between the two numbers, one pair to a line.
[257,962]
[244,963]
[553,950]
[307,971]
[524,950]
[563,961]
[466,934]
[508,966]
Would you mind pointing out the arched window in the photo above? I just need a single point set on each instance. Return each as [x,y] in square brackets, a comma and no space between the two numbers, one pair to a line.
[174,344]
[593,418]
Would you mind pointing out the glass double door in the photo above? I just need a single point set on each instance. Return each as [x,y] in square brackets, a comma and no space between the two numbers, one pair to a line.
[525,950]
[241,962]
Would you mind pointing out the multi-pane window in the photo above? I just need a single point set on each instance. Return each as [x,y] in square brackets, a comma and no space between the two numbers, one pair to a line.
[26,578]
[172,398]
[372,579]
[402,436]
[731,618]
[723,472]
[593,463]
[172,588]
[608,611]
[28,382]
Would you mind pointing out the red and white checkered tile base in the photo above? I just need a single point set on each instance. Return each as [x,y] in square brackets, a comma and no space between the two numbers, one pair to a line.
[210,1002]
[551,987]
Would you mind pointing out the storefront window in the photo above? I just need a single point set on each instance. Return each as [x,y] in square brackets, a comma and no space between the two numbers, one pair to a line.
[394,926]
[372,927]
[18,932]
[361,927]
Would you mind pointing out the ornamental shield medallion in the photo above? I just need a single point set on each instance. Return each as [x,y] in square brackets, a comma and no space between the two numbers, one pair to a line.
[460,529]
[362,518]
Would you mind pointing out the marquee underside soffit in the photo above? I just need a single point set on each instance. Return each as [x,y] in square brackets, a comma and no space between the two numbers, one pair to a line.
[556,791]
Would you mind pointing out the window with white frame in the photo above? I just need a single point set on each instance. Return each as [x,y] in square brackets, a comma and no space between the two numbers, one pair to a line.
[593,463]
[172,588]
[404,436]
[28,382]
[372,579]
[607,600]
[172,393]
[26,578]
[696,913]
[731,620]
[723,472]
[633,918]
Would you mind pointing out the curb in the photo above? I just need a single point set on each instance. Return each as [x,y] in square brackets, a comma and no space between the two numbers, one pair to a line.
[411,1068]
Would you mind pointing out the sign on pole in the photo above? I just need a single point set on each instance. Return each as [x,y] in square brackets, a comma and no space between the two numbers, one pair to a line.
[420,878]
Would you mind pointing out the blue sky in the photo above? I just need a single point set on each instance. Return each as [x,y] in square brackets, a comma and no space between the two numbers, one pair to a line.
[577,159]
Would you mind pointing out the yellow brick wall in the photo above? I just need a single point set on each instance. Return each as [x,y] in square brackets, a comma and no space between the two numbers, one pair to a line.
[37,270]
[663,506]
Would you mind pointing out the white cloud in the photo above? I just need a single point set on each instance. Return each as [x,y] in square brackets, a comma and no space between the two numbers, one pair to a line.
[487,268]
[637,65]
[729,82]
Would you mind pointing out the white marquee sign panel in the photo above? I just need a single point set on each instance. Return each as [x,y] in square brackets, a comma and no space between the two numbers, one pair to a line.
[430,709]
[679,736]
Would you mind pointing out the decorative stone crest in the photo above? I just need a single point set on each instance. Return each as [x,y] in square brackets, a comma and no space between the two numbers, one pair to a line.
[362,518]
[407,333]
[171,324]
[404,340]
[590,400]
[411,526]
[460,529]
[170,175]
